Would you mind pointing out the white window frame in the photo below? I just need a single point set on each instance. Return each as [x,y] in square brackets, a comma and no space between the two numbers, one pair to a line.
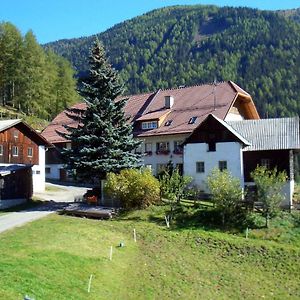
[148,147]
[30,149]
[1,150]
[200,167]
[15,151]
[223,165]
[149,125]
[162,146]
[16,134]
[149,167]
[192,120]
[178,147]
[266,162]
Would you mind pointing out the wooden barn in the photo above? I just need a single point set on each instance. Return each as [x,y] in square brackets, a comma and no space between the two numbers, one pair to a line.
[22,145]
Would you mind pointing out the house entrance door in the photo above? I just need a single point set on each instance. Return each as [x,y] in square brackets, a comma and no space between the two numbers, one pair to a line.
[62,174]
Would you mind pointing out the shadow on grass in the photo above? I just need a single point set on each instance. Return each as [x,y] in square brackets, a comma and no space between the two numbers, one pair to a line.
[36,205]
[30,204]
[208,218]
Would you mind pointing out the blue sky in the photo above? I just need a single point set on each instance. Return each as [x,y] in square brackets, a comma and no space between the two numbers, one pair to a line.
[52,20]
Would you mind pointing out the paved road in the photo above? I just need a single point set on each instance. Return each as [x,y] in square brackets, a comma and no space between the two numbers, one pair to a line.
[55,198]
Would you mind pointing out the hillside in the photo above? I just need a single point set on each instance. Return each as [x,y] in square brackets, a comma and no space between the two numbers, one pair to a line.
[186,45]
[54,258]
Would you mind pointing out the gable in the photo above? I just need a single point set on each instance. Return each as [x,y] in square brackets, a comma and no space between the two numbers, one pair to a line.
[212,129]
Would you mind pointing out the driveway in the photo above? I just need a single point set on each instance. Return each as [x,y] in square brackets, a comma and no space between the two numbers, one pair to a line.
[61,193]
[16,219]
[56,197]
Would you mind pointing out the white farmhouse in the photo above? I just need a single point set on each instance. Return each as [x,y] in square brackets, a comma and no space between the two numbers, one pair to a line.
[162,121]
[240,146]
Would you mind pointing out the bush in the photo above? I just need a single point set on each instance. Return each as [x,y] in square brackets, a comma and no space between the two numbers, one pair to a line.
[174,186]
[226,194]
[269,184]
[134,188]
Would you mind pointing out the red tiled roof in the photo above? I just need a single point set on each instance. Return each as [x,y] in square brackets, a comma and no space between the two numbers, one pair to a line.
[153,115]
[195,101]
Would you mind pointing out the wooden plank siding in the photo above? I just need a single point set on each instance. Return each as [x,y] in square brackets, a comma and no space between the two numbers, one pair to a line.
[278,158]
[211,131]
[14,137]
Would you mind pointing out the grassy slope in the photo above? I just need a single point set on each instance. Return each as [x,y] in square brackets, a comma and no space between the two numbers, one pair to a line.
[54,257]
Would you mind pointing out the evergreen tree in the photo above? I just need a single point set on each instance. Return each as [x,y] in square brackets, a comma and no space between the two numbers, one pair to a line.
[103,141]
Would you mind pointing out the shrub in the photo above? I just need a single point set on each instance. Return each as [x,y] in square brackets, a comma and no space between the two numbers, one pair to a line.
[226,194]
[173,185]
[269,184]
[134,188]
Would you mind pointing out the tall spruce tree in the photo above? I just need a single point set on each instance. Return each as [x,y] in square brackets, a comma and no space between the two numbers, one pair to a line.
[103,141]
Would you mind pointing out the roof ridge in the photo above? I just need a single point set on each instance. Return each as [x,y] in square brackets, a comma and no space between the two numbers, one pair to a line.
[191,86]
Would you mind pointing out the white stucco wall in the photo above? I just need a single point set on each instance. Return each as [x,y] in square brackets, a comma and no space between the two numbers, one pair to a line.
[38,172]
[233,117]
[156,159]
[230,152]
[54,171]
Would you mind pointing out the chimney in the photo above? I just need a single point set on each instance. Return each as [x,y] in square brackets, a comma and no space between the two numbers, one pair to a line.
[169,101]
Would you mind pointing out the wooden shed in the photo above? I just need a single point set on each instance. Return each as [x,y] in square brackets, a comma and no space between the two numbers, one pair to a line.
[15,185]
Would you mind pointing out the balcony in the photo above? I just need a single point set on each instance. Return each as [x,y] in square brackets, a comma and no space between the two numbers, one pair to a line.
[163,152]
[178,151]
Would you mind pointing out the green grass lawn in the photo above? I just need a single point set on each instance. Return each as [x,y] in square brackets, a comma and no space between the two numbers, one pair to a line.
[53,258]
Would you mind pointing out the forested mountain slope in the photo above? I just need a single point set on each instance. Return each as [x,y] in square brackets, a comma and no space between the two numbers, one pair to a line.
[186,45]
[33,82]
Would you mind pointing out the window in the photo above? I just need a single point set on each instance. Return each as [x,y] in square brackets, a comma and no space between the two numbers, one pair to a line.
[16,134]
[149,125]
[168,123]
[266,162]
[162,148]
[222,165]
[200,167]
[138,149]
[178,147]
[48,170]
[15,151]
[192,120]
[211,147]
[37,172]
[148,147]
[29,152]
[1,149]
[149,167]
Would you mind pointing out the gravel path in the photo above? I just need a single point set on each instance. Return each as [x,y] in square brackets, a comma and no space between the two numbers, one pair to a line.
[57,197]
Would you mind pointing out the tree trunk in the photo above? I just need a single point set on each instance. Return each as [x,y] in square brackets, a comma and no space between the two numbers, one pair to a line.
[267,221]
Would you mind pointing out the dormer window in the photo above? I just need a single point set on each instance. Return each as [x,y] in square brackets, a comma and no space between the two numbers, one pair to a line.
[192,120]
[149,125]
[168,123]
